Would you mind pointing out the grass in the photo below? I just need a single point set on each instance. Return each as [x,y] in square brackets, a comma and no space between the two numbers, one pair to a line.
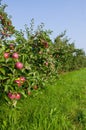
[61,106]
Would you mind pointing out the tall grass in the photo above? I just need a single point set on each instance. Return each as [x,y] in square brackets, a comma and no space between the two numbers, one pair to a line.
[61,106]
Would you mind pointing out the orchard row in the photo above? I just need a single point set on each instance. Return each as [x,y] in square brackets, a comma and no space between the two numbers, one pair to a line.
[31,59]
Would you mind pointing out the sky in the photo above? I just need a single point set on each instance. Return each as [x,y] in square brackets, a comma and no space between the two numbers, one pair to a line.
[57,15]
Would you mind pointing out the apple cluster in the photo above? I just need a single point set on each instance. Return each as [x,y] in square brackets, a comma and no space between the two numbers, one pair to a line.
[18,65]
[15,55]
[20,81]
[26,62]
[7,28]
[16,96]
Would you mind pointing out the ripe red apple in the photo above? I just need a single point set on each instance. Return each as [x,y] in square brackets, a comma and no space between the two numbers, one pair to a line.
[11,95]
[6,55]
[19,65]
[22,79]
[18,82]
[14,95]
[15,55]
[17,96]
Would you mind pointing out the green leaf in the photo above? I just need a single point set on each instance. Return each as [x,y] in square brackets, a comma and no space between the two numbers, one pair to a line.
[23,93]
[2,49]
[6,88]
[2,71]
[27,66]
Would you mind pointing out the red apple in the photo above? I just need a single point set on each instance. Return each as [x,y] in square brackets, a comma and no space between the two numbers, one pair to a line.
[19,65]
[15,55]
[18,82]
[17,96]
[11,95]
[22,79]
[6,55]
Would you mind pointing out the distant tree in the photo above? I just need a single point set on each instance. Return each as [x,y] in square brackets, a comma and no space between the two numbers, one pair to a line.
[67,56]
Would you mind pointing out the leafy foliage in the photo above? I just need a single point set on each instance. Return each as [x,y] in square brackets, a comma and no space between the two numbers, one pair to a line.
[26,63]
[66,55]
